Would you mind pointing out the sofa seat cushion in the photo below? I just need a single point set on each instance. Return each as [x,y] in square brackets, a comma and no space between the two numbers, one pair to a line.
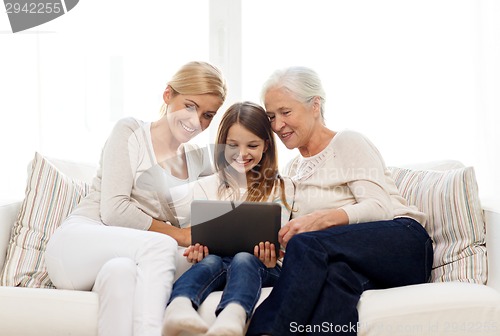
[439,309]
[47,312]
[453,308]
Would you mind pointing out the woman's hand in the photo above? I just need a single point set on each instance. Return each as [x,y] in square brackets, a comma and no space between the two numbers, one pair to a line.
[266,252]
[314,221]
[196,253]
[181,235]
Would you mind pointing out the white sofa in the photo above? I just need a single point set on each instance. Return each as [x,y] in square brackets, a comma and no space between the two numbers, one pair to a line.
[452,308]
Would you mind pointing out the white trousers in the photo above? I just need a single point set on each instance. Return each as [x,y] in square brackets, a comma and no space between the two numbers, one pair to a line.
[131,270]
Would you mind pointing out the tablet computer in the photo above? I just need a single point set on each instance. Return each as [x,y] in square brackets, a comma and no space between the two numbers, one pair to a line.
[227,227]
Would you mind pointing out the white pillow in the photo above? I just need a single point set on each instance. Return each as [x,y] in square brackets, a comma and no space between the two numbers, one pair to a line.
[50,197]
[455,220]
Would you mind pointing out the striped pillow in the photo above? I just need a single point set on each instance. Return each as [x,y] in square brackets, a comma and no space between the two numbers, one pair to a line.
[455,220]
[50,196]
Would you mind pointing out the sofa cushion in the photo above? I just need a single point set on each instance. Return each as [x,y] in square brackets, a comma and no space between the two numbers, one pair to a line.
[48,312]
[50,196]
[455,220]
[444,309]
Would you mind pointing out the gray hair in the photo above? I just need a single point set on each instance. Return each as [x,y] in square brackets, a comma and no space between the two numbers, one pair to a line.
[301,82]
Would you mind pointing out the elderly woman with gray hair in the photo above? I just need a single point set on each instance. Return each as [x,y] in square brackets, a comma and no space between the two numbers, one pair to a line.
[350,230]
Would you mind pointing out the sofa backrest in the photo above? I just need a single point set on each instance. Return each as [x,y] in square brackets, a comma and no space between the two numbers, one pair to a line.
[440,165]
[76,170]
[8,214]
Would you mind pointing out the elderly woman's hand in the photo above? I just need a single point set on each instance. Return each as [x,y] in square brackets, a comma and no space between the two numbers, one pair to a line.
[314,221]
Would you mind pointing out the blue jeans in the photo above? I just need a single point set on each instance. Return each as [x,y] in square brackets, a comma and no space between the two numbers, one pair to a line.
[325,272]
[241,277]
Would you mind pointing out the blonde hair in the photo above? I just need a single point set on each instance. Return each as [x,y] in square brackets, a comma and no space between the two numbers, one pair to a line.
[198,78]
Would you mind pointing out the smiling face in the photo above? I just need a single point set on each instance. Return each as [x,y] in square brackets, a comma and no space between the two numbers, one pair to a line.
[293,121]
[243,149]
[189,115]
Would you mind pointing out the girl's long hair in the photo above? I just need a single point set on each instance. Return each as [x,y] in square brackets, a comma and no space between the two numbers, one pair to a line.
[262,179]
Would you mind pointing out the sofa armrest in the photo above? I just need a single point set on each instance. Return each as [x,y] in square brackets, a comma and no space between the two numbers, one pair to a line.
[8,215]
[492,217]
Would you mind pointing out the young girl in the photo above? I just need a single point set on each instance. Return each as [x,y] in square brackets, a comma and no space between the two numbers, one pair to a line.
[246,165]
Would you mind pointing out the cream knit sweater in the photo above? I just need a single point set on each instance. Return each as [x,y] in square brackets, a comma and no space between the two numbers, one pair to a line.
[349,174]
[130,188]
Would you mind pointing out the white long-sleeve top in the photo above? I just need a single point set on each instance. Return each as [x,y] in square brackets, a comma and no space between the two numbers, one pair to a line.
[207,188]
[349,174]
[130,188]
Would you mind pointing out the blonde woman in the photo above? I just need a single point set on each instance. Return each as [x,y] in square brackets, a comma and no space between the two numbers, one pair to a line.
[121,240]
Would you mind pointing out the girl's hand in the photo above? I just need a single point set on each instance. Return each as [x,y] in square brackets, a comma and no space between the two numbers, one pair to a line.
[196,253]
[266,252]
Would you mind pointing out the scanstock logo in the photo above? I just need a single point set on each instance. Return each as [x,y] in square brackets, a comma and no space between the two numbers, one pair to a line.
[28,14]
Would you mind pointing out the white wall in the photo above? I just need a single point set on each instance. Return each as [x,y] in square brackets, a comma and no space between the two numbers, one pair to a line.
[420,78]
[65,83]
